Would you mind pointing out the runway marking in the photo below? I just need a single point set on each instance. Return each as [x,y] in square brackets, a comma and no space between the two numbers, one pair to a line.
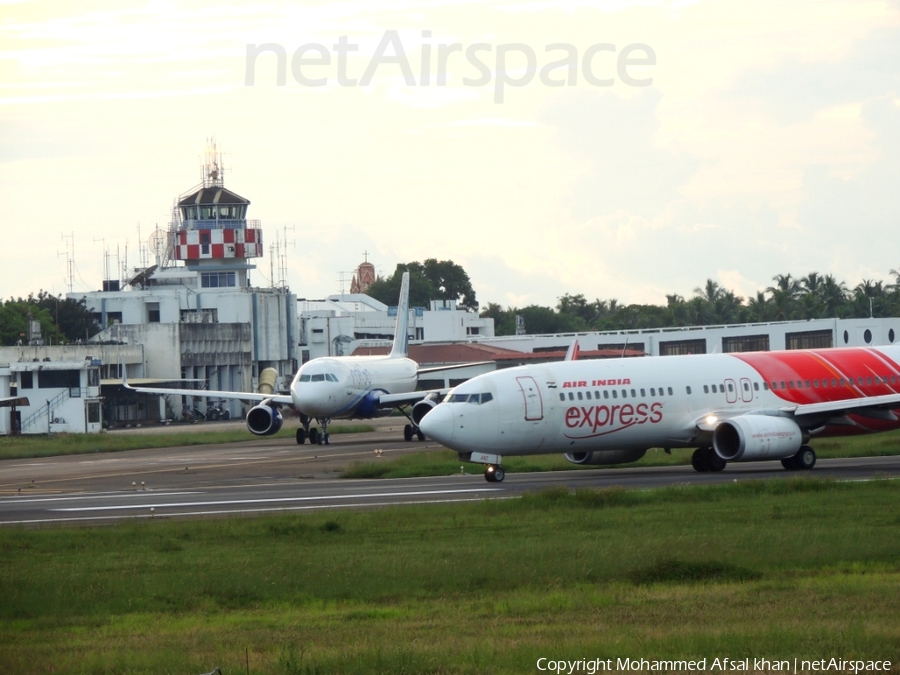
[100,495]
[230,502]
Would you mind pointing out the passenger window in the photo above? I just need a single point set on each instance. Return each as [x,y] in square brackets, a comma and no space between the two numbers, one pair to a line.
[715,389]
[580,396]
[624,393]
[688,390]
[815,384]
[705,388]
[765,386]
[587,395]
[806,384]
[791,384]
[643,394]
[756,386]
[571,396]
[605,393]
[730,387]
[670,391]
[746,386]
[633,394]
[614,393]
[652,391]
[562,397]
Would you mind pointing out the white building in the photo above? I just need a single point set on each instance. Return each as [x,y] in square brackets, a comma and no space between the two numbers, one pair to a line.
[62,385]
[815,333]
[342,324]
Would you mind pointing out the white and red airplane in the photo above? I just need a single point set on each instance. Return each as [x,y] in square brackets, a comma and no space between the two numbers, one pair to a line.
[348,387]
[738,407]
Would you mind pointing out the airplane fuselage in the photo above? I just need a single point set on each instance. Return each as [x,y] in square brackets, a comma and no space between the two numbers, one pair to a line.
[637,403]
[342,387]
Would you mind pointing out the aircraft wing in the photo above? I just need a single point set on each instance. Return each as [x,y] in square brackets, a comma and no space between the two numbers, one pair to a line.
[859,405]
[411,397]
[282,399]
[455,366]
[867,406]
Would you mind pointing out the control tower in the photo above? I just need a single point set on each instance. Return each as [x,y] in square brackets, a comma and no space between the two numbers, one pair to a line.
[212,234]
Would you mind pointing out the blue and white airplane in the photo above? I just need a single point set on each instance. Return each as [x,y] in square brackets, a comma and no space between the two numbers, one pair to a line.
[342,387]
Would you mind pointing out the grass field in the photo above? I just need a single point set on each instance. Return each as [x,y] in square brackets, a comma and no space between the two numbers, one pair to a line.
[17,447]
[776,569]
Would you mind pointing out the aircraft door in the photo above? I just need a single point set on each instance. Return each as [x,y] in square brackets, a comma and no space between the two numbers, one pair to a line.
[534,406]
[731,394]
[746,390]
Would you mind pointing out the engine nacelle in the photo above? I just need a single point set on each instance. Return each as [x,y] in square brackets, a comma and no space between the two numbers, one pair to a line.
[264,419]
[369,406]
[751,438]
[606,457]
[424,406]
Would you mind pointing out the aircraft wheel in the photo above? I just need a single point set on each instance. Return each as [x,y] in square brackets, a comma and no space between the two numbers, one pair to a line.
[407,432]
[805,459]
[301,437]
[788,463]
[699,461]
[489,474]
[420,435]
[314,436]
[226,415]
[327,438]
[715,462]
[499,474]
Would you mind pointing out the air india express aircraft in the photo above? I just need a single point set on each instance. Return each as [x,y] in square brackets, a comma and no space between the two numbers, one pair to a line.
[739,407]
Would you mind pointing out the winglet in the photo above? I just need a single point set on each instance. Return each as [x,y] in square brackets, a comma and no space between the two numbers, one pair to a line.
[572,353]
[401,327]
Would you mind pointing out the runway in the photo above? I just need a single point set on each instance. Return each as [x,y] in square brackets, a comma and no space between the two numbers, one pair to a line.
[276,476]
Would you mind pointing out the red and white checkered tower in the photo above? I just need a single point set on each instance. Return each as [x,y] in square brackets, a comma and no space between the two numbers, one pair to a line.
[212,234]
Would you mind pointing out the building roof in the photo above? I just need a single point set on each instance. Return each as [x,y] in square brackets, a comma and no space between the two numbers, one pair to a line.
[436,353]
[212,195]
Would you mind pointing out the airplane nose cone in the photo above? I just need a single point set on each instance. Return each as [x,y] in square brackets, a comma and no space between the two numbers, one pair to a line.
[438,423]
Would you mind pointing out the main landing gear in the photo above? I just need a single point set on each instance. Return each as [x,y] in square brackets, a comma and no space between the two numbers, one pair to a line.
[315,437]
[494,474]
[804,460]
[706,459]
[411,430]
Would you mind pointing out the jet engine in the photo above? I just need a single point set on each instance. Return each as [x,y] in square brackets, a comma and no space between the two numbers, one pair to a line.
[369,406]
[264,419]
[755,437]
[606,457]
[424,406]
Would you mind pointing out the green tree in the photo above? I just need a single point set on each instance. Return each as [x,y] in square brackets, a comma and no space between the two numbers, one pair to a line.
[451,282]
[432,280]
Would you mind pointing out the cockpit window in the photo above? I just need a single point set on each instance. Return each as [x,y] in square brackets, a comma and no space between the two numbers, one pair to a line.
[304,378]
[477,399]
[320,377]
[331,377]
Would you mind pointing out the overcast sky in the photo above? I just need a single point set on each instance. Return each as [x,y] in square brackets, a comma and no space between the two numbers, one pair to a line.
[717,139]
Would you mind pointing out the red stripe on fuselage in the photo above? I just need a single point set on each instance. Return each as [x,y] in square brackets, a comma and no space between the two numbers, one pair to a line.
[808,366]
